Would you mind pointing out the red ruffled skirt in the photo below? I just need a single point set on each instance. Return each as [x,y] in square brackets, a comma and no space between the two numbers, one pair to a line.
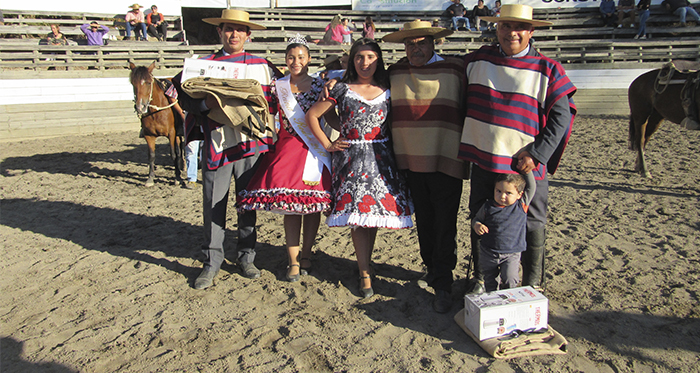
[277,185]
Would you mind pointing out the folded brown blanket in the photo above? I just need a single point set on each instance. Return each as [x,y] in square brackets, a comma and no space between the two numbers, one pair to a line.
[241,102]
[549,342]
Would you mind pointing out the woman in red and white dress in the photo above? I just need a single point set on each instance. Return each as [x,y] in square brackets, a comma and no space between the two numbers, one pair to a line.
[295,178]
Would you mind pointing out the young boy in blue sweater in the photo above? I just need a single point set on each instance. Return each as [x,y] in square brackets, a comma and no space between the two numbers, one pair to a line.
[502,224]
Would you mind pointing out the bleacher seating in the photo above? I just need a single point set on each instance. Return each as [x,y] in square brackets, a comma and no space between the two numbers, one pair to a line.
[36,25]
[576,37]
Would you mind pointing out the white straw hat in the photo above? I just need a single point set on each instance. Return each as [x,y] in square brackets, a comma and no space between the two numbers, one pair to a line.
[234,16]
[516,13]
[415,29]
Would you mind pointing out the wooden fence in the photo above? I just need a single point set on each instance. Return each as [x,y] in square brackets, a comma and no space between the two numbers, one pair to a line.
[572,54]
[577,39]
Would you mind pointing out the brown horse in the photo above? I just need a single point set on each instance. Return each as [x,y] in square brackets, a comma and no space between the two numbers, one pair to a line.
[158,118]
[651,103]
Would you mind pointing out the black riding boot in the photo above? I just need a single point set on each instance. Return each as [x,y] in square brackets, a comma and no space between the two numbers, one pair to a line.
[533,259]
[476,283]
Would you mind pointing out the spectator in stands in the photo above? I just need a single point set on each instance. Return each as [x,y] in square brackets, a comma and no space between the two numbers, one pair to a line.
[368,28]
[607,13]
[344,60]
[459,14]
[643,8]
[436,23]
[332,62]
[334,32]
[55,37]
[237,157]
[495,12]
[625,8]
[192,157]
[136,21]
[333,69]
[156,24]
[94,33]
[347,38]
[681,8]
[481,10]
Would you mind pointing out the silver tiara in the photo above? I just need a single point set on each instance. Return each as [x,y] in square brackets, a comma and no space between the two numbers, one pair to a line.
[298,39]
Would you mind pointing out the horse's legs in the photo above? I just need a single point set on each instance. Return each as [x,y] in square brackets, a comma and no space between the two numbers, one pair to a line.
[647,129]
[151,141]
[176,154]
[180,151]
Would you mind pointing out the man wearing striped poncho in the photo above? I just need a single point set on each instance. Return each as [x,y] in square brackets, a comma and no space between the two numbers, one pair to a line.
[427,106]
[227,152]
[519,117]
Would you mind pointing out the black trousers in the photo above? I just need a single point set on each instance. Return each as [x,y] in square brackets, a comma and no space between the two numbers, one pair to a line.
[436,198]
[159,31]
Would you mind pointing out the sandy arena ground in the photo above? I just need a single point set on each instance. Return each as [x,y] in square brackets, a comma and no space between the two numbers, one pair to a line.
[97,272]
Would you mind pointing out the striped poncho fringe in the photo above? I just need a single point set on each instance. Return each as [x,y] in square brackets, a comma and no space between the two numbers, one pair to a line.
[427,116]
[509,102]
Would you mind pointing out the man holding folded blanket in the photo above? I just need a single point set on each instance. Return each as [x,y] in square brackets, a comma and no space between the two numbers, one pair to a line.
[227,152]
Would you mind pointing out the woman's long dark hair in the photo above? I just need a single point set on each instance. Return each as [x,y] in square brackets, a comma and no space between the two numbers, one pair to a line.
[381,76]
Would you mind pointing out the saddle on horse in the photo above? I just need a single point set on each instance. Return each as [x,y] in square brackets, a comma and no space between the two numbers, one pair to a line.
[688,74]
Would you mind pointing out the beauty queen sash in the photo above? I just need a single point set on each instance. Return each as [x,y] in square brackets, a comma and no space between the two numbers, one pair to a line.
[318,156]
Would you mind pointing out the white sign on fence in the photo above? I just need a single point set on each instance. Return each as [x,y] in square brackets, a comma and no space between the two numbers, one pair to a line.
[401,5]
[310,3]
[436,5]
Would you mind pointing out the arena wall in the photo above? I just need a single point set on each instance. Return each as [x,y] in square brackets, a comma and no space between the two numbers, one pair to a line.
[70,102]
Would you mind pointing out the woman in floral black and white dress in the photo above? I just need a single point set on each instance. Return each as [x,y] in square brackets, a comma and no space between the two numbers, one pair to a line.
[368,191]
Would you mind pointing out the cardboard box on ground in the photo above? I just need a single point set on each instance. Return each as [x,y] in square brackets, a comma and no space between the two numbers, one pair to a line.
[501,312]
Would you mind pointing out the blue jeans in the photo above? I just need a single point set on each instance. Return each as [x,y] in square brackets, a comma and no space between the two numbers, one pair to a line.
[192,152]
[643,16]
[689,10]
[456,20]
[137,27]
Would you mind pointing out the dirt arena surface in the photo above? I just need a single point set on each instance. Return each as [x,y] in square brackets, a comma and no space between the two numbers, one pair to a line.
[97,271]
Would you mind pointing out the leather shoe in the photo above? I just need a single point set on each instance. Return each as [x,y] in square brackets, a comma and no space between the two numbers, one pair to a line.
[293,278]
[425,281]
[304,271]
[249,270]
[206,278]
[366,292]
[442,301]
[477,288]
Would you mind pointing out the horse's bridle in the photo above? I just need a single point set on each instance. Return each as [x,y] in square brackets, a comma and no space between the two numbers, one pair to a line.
[151,106]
